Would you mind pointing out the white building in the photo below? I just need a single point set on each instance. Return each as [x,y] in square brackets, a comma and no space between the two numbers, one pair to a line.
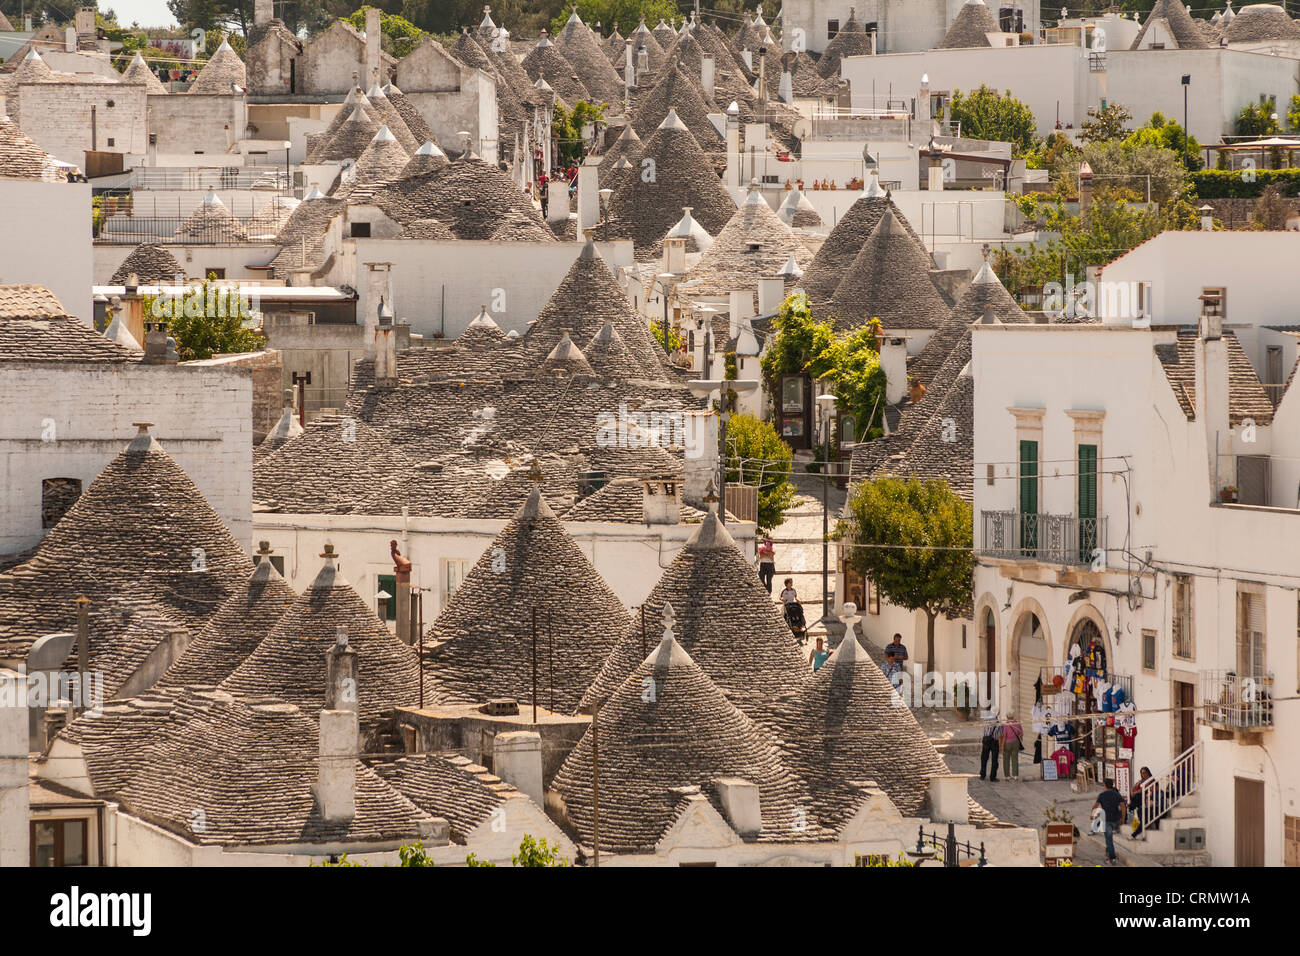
[1105,456]
[901,26]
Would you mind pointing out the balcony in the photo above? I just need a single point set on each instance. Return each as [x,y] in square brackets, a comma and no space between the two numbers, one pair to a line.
[1051,539]
[1233,703]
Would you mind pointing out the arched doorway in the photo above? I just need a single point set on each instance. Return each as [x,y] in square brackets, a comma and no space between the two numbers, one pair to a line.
[1031,658]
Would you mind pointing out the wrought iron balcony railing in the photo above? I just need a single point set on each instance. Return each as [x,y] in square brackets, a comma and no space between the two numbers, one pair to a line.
[1054,539]
[1237,702]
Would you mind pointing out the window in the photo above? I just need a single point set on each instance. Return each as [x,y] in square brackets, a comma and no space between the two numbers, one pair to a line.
[453,575]
[57,496]
[1148,650]
[1290,841]
[873,597]
[832,28]
[59,842]
[1029,497]
[1250,634]
[388,584]
[360,230]
[1087,513]
[277,562]
[963,636]
[111,142]
[1181,624]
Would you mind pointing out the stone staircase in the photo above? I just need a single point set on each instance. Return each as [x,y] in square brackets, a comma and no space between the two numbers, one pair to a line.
[1158,845]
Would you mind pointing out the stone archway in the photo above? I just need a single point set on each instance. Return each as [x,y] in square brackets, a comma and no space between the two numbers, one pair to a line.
[987,667]
[1033,651]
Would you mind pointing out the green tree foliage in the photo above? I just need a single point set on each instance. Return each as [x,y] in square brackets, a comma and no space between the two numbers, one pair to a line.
[1103,126]
[849,362]
[1048,152]
[205,320]
[1230,184]
[986,114]
[532,852]
[672,340]
[566,127]
[399,35]
[1163,133]
[626,13]
[756,455]
[1122,166]
[414,854]
[926,563]
[1256,119]
[212,15]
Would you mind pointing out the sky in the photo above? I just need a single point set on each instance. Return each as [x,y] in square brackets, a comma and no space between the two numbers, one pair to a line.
[148,13]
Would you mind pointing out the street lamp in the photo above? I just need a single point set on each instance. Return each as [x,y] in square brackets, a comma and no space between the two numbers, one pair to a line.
[288,179]
[704,388]
[1187,82]
[605,195]
[868,163]
[826,403]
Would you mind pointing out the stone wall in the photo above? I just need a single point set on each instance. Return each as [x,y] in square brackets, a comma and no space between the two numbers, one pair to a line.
[196,123]
[58,117]
[267,367]
[203,418]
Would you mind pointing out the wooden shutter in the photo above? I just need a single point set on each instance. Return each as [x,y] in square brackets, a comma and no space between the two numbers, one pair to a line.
[1029,496]
[1250,635]
[1087,512]
[1249,822]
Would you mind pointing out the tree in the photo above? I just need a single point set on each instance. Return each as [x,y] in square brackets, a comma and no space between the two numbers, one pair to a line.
[1163,133]
[538,853]
[1105,125]
[1257,120]
[567,126]
[1271,209]
[206,320]
[1121,166]
[914,539]
[414,854]
[986,114]
[399,36]
[213,14]
[798,343]
[857,377]
[757,456]
[1293,114]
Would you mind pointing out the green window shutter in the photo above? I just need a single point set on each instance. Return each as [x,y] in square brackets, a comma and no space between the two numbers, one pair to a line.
[1087,511]
[388,582]
[1029,496]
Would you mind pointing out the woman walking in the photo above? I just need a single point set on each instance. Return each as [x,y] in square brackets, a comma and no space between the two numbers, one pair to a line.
[767,562]
[1013,741]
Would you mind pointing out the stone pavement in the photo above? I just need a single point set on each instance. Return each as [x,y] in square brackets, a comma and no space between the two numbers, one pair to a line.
[798,540]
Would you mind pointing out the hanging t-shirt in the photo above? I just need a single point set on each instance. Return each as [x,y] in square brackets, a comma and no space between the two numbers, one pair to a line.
[1126,715]
[1126,736]
[1064,762]
[1039,718]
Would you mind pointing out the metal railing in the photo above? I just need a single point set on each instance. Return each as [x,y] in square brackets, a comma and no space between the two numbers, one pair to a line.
[269,176]
[1053,539]
[1235,702]
[1161,793]
[132,230]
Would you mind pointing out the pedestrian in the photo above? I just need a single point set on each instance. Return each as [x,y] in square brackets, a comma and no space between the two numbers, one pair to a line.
[1113,805]
[1141,807]
[817,656]
[788,596]
[989,747]
[1013,741]
[896,653]
[767,562]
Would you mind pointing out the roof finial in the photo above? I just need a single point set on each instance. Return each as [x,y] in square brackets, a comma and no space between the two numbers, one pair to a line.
[535,471]
[329,553]
[670,618]
[711,497]
[264,548]
[987,250]
[341,636]
[143,427]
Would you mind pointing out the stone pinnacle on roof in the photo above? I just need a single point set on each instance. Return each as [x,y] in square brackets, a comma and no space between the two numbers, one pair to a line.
[425,159]
[484,633]
[1186,34]
[222,71]
[971,27]
[565,359]
[582,50]
[482,329]
[119,333]
[388,115]
[725,619]
[698,239]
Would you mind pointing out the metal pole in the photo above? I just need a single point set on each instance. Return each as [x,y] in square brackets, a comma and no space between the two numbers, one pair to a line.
[534,664]
[595,782]
[722,461]
[421,657]
[642,632]
[950,848]
[550,637]
[826,482]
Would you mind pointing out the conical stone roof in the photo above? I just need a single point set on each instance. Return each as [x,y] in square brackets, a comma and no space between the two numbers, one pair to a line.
[677,93]
[425,160]
[211,221]
[318,142]
[725,619]
[668,727]
[547,63]
[970,28]
[151,264]
[141,529]
[798,212]
[482,330]
[484,634]
[581,48]
[387,115]
[665,34]
[628,145]
[609,356]
[846,725]
[984,292]
[290,662]
[754,243]
[138,71]
[655,53]
[846,240]
[852,40]
[222,69]
[1178,22]
[889,280]
[587,298]
[411,116]
[234,631]
[646,206]
[351,138]
[470,196]
[565,361]
[383,160]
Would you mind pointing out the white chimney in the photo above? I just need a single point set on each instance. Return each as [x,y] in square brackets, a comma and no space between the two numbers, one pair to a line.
[662,501]
[588,199]
[557,201]
[706,74]
[674,256]
[14,743]
[739,308]
[740,804]
[1212,397]
[948,800]
[733,149]
[629,66]
[517,759]
[373,32]
[893,360]
[786,88]
[341,673]
[70,39]
[771,293]
[263,12]
[335,788]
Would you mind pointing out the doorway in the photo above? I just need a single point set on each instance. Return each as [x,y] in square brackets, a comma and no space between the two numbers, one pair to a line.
[1184,716]
[1248,811]
[990,658]
[1031,658]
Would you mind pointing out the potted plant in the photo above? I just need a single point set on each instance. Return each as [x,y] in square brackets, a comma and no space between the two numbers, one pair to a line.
[1228,494]
[961,697]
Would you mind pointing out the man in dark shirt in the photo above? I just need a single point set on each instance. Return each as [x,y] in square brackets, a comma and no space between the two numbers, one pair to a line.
[896,654]
[1113,807]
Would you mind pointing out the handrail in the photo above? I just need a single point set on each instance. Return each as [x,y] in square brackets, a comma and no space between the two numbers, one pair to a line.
[1159,794]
